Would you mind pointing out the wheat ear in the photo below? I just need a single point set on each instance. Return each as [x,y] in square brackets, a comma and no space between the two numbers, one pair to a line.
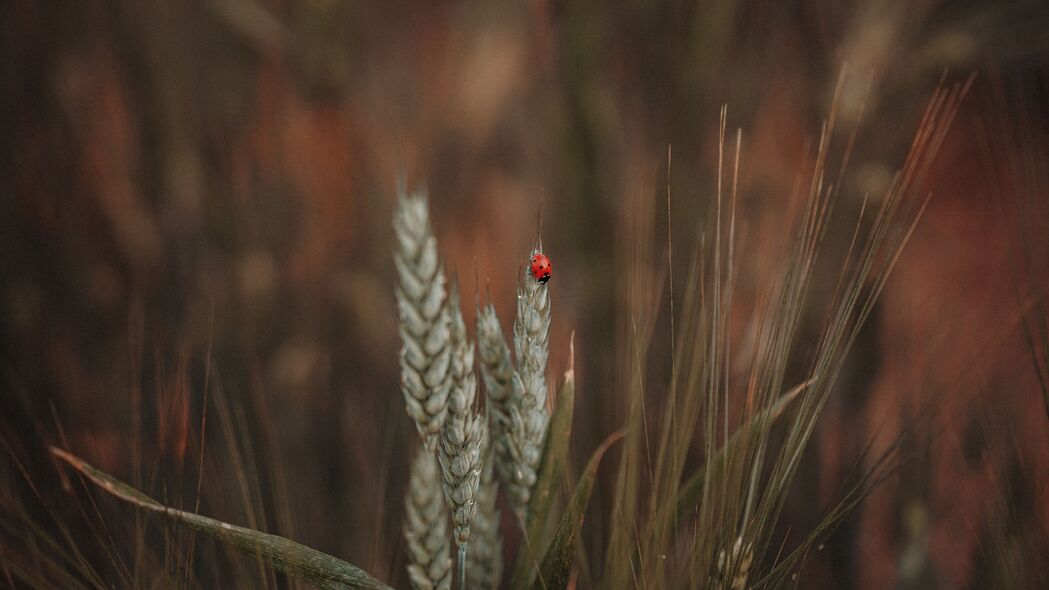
[734,569]
[426,527]
[459,450]
[486,562]
[498,373]
[529,418]
[425,352]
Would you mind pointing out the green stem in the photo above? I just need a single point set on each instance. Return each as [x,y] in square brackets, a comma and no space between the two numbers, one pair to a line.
[462,566]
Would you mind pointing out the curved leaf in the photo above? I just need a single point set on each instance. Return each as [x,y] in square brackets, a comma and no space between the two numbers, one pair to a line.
[284,555]
[557,564]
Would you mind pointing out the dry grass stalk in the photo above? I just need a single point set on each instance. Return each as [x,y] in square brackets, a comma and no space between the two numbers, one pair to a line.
[426,527]
[425,352]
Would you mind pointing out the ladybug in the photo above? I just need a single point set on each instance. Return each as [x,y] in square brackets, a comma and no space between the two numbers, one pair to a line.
[540,267]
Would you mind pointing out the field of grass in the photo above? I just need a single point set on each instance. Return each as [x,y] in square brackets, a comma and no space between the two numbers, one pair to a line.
[267,318]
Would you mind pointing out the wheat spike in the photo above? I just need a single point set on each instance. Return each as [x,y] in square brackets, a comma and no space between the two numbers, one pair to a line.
[485,568]
[529,418]
[498,372]
[459,450]
[425,352]
[426,527]
[734,569]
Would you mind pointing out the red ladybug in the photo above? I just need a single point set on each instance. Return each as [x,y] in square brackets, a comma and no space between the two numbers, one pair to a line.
[540,268]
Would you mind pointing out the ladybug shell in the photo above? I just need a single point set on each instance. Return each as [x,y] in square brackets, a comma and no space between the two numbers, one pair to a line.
[540,267]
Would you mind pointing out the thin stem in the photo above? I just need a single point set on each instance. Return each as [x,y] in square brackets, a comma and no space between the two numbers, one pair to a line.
[462,566]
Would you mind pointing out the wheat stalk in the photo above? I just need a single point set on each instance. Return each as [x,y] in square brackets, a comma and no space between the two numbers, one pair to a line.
[459,450]
[529,418]
[498,373]
[426,527]
[425,352]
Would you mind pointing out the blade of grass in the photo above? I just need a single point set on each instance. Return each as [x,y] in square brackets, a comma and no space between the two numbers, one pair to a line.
[557,564]
[860,483]
[284,555]
[692,489]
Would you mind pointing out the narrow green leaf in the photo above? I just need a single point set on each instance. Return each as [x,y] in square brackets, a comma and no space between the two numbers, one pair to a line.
[540,528]
[294,559]
[692,489]
[557,564]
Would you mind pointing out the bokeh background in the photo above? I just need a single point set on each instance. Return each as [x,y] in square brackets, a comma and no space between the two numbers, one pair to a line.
[195,206]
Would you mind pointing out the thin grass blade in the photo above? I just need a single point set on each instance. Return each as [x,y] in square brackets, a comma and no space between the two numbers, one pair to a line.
[691,491]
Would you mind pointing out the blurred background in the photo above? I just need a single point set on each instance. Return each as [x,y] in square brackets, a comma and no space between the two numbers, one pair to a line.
[195,233]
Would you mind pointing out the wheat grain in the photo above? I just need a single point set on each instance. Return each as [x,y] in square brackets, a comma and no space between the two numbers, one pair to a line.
[459,450]
[529,418]
[425,353]
[426,527]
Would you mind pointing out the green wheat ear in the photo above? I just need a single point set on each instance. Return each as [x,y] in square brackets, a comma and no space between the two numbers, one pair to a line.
[498,372]
[484,569]
[425,352]
[459,449]
[529,418]
[426,526]
[517,391]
